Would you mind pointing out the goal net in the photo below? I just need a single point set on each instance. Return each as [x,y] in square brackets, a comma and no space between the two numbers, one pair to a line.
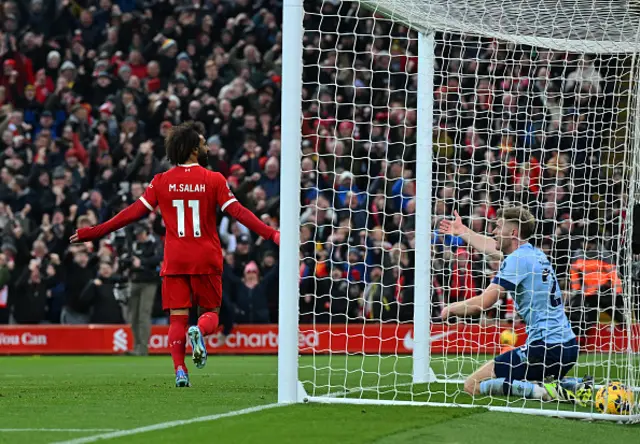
[412,110]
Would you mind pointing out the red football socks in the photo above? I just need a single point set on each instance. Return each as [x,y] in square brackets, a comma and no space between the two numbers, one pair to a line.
[208,322]
[177,339]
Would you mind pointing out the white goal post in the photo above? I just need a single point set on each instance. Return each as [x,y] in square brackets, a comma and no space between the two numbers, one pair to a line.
[397,112]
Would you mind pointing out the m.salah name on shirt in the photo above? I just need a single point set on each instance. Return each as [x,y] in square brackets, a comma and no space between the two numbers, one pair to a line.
[187,187]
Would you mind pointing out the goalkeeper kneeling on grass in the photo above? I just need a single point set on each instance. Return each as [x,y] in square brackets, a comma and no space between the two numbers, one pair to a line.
[538,369]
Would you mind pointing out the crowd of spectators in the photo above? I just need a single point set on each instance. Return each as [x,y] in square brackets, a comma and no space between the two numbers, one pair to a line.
[89,89]
[512,124]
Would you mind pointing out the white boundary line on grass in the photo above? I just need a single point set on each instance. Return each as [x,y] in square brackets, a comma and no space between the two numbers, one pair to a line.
[378,388]
[57,430]
[168,425]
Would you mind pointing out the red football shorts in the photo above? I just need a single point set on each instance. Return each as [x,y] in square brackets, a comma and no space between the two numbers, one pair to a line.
[185,291]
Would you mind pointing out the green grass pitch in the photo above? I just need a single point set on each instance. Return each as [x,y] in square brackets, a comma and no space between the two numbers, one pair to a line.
[86,396]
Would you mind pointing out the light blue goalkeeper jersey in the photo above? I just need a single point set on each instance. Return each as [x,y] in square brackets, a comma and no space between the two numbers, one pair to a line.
[528,275]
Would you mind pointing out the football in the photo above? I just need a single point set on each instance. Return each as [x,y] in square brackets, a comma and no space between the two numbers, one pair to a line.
[508,337]
[614,398]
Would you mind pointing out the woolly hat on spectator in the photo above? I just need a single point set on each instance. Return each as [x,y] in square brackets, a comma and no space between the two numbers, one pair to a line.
[345,125]
[181,78]
[244,239]
[9,246]
[214,140]
[72,153]
[53,55]
[235,168]
[175,99]
[347,175]
[267,86]
[102,64]
[140,228]
[251,267]
[124,68]
[268,253]
[104,74]
[168,43]
[68,65]
[166,124]
[183,56]
[58,173]
[46,113]
[105,108]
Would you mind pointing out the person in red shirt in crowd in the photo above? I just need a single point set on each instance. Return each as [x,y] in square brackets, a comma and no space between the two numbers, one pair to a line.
[463,285]
[188,196]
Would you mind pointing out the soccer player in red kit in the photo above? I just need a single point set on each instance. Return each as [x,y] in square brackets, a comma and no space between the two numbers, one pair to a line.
[188,196]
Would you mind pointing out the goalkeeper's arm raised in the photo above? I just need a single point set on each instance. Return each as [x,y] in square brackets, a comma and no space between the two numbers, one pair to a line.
[483,244]
[474,306]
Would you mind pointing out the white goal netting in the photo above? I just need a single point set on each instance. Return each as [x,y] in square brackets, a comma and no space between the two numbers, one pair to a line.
[534,102]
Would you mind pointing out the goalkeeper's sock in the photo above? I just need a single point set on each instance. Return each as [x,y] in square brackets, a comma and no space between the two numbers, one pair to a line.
[502,387]
[495,387]
[529,390]
[177,339]
[208,323]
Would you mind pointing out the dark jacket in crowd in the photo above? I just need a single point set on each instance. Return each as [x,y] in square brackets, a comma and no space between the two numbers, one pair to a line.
[76,280]
[31,304]
[99,294]
[150,254]
[250,305]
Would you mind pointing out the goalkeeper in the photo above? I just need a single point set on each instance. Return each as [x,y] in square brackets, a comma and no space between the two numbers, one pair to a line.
[535,370]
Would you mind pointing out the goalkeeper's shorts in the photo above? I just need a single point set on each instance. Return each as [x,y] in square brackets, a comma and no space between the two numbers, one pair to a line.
[537,361]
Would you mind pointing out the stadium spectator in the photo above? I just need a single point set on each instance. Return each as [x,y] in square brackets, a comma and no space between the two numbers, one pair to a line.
[100,295]
[142,265]
[80,269]
[249,294]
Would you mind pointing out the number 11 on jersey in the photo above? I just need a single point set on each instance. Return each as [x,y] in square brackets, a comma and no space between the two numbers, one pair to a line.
[195,213]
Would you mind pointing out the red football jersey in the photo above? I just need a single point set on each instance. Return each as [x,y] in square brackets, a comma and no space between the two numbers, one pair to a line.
[188,196]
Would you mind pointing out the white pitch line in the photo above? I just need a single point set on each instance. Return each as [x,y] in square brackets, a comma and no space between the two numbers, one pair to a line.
[363,389]
[351,391]
[57,430]
[167,425]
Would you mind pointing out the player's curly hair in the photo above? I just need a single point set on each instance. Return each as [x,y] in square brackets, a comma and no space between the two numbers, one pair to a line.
[522,217]
[182,140]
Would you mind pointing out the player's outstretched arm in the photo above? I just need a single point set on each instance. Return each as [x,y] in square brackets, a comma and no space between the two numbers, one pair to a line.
[249,220]
[132,213]
[474,306]
[483,244]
